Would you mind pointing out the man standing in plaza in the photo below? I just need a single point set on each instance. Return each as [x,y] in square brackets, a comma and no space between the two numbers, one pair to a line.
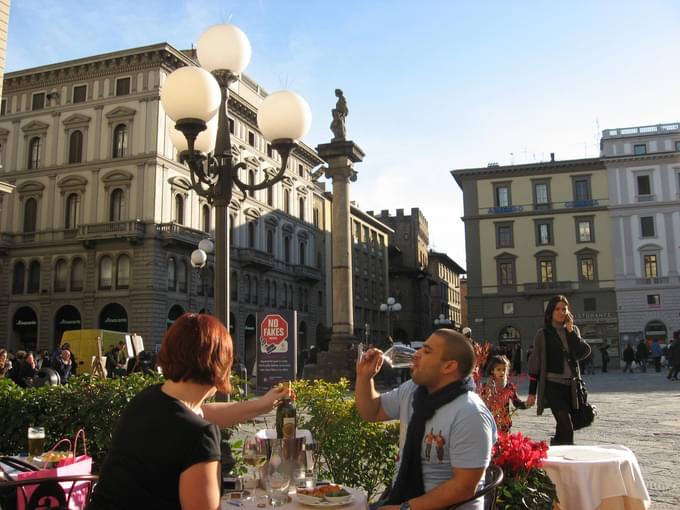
[436,399]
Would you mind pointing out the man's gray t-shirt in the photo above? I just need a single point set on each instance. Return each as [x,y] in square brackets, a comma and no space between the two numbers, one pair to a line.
[459,435]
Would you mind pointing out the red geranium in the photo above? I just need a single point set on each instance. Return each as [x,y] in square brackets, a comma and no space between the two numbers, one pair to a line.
[517,454]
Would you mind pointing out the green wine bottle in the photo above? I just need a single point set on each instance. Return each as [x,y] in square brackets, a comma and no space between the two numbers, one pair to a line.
[286,420]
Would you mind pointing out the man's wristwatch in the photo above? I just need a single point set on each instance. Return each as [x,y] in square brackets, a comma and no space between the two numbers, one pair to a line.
[405,506]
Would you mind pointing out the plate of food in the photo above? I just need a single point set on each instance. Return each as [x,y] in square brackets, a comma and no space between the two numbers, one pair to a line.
[52,457]
[326,496]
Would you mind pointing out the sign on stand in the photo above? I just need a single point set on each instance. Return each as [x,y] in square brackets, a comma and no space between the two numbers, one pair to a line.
[276,349]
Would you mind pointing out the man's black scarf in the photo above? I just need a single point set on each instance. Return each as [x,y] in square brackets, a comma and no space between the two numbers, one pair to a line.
[409,482]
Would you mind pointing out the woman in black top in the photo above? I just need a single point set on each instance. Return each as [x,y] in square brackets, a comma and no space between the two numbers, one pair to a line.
[165,452]
[553,365]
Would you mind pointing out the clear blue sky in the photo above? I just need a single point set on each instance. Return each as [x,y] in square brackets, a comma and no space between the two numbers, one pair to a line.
[431,85]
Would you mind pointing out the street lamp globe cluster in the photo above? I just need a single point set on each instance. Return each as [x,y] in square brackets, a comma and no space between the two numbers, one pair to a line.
[442,321]
[196,99]
[389,307]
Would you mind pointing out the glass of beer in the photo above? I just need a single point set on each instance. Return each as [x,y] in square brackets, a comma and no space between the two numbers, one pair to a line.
[36,441]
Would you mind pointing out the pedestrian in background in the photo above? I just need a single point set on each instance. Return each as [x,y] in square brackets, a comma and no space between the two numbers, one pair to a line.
[5,363]
[656,355]
[674,360]
[517,359]
[553,367]
[605,357]
[628,358]
[641,355]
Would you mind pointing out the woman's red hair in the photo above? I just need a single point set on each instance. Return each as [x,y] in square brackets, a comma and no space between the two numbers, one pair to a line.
[197,348]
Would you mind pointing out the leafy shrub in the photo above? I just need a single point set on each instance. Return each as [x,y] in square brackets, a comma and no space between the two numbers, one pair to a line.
[351,451]
[86,402]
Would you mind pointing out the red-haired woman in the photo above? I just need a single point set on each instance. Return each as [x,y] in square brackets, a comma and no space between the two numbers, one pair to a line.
[165,452]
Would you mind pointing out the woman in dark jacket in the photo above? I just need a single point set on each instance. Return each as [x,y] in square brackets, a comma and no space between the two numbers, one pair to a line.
[553,366]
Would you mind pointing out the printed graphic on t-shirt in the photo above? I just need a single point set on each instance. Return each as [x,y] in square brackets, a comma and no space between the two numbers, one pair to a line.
[439,442]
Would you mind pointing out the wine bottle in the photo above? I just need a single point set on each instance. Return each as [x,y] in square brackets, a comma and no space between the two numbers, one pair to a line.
[286,419]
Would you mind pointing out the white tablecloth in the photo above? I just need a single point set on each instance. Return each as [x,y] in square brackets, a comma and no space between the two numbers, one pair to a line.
[358,502]
[597,478]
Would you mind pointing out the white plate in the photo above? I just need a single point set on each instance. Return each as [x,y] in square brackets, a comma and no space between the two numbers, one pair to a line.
[327,504]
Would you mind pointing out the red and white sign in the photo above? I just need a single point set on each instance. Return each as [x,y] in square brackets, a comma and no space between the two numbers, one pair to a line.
[273,331]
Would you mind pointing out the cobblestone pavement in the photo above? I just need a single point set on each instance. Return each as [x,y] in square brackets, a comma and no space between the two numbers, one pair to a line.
[640,411]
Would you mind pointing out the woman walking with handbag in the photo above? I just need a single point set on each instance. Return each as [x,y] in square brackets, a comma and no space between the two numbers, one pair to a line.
[552,367]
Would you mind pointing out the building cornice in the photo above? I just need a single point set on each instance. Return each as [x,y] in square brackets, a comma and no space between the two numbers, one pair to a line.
[650,157]
[533,169]
[98,66]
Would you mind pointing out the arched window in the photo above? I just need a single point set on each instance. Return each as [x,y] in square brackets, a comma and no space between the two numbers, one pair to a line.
[273,294]
[286,201]
[301,205]
[246,288]
[116,205]
[120,141]
[179,209]
[232,222]
[105,272]
[233,284]
[256,291]
[34,153]
[182,276]
[270,196]
[267,290]
[60,275]
[34,277]
[206,217]
[211,281]
[270,241]
[290,297]
[77,274]
[72,207]
[30,214]
[18,278]
[75,147]
[285,296]
[286,249]
[123,272]
[251,181]
[251,234]
[303,248]
[172,274]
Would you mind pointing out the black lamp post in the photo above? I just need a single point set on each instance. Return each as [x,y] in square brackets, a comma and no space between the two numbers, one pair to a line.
[196,99]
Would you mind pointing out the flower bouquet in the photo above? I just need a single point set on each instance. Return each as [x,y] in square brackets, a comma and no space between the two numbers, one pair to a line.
[525,485]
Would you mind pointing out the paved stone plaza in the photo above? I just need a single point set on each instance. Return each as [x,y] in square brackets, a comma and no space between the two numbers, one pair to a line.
[639,410]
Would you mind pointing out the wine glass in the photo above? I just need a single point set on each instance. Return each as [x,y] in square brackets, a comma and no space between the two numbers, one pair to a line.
[254,455]
[399,356]
[277,476]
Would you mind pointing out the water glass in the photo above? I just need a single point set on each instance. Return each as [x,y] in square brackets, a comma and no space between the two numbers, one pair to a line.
[399,356]
[36,441]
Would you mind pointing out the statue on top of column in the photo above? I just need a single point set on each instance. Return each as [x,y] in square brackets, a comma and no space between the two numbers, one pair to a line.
[340,113]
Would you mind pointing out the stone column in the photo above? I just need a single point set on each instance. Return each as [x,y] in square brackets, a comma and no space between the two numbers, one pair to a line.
[340,156]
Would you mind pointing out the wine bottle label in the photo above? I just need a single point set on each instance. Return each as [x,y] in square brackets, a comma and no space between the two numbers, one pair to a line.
[289,427]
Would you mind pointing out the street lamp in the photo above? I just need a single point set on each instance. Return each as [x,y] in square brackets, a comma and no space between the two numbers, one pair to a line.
[389,307]
[199,259]
[196,99]
[442,321]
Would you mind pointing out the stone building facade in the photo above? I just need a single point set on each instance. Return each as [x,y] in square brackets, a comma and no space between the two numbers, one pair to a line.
[100,228]
[643,167]
[409,277]
[445,293]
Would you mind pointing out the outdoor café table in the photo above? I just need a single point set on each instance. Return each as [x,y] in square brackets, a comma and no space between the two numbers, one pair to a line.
[596,478]
[358,502]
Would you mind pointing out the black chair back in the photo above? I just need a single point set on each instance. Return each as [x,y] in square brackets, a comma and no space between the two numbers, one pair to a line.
[493,478]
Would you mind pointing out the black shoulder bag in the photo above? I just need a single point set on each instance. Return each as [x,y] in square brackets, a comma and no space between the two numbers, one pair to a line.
[584,413]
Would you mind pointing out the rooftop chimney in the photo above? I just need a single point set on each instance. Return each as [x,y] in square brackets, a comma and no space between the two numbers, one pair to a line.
[552,157]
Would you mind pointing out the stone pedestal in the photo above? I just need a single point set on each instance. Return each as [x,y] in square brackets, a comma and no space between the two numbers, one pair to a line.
[340,156]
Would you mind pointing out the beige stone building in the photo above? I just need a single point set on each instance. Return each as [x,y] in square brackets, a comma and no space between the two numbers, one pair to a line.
[533,231]
[99,231]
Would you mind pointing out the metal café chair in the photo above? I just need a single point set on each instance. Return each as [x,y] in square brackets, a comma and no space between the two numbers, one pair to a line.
[493,478]
[50,493]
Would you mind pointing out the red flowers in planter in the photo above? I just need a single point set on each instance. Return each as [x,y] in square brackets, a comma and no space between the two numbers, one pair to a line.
[517,454]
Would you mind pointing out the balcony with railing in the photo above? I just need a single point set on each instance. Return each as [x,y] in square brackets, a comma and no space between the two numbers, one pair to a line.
[255,259]
[174,233]
[132,230]
[307,273]
[547,287]
[641,130]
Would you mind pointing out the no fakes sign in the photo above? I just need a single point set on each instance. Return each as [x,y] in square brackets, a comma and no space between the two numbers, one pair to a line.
[277,348]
